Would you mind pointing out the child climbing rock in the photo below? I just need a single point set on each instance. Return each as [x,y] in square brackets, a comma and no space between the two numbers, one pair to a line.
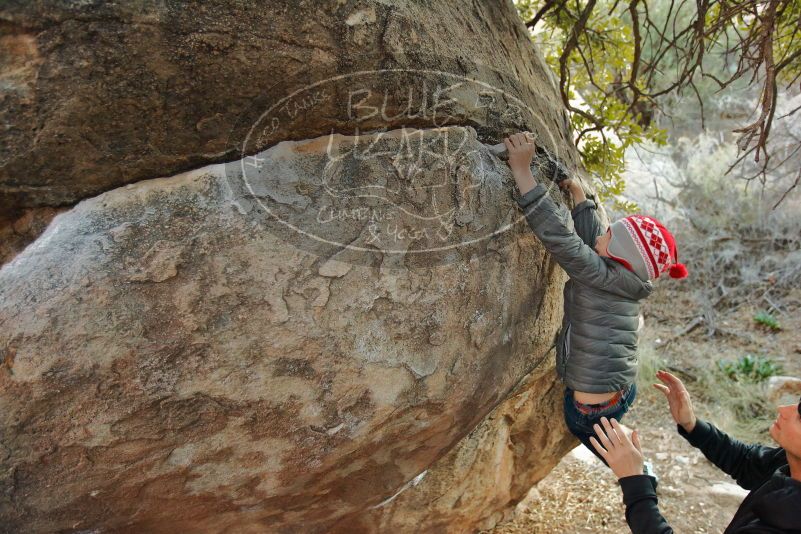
[610,272]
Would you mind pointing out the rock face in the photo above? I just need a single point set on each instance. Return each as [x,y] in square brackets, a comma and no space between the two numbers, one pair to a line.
[173,362]
[18,229]
[478,483]
[100,94]
[783,389]
[340,324]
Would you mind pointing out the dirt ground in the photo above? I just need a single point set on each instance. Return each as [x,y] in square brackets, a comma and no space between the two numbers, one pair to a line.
[581,495]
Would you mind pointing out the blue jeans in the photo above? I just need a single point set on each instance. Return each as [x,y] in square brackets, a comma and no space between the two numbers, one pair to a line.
[580,424]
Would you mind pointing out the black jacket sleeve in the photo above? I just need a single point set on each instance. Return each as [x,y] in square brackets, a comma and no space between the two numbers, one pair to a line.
[749,465]
[642,512]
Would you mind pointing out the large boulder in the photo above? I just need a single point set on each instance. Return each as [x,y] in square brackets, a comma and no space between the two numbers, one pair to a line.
[205,353]
[480,481]
[100,94]
[19,228]
[327,315]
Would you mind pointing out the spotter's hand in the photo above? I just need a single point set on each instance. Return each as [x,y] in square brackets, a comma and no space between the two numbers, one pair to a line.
[621,451]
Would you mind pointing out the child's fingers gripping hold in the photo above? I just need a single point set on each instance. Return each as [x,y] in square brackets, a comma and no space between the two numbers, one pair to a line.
[512,143]
[521,150]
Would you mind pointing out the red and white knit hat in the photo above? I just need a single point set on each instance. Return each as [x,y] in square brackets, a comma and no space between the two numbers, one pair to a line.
[645,247]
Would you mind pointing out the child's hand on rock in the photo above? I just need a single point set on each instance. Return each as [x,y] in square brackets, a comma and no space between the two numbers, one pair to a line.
[520,147]
[568,184]
[574,187]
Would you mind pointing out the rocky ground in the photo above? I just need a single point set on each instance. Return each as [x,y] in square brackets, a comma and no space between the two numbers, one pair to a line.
[581,495]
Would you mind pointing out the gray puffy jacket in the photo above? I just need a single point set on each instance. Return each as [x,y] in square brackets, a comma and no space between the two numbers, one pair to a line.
[597,347]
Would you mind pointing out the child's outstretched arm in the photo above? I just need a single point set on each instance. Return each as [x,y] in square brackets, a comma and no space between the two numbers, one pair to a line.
[585,216]
[549,220]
